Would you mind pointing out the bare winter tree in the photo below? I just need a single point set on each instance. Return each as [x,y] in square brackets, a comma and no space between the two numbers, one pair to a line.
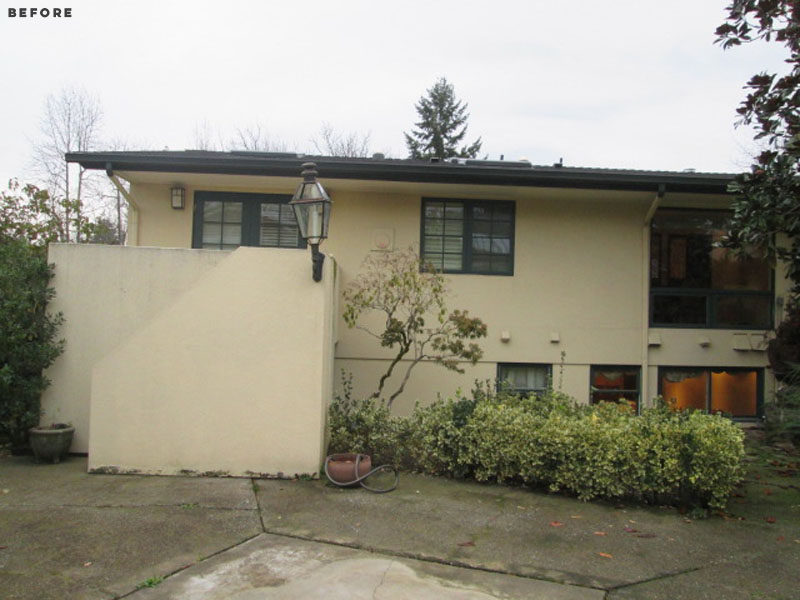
[205,137]
[332,143]
[256,138]
[71,123]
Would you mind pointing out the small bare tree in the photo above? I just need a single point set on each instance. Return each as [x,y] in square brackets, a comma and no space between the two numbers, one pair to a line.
[204,137]
[410,297]
[255,138]
[348,145]
[71,123]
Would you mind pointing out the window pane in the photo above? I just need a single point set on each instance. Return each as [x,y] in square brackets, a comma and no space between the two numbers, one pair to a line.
[481,263]
[501,246]
[270,213]
[287,214]
[433,244]
[501,264]
[481,211]
[434,259]
[501,229]
[434,210]
[482,228]
[679,310]
[232,212]
[454,211]
[742,311]
[734,392]
[453,244]
[729,272]
[212,211]
[290,236]
[481,244]
[212,234]
[685,388]
[269,235]
[232,234]
[434,227]
[452,262]
[454,227]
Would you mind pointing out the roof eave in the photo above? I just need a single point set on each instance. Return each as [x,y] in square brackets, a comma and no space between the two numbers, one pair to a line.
[367,169]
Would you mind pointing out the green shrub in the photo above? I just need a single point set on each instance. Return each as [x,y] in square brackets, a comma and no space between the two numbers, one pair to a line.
[27,337]
[434,440]
[549,441]
[363,426]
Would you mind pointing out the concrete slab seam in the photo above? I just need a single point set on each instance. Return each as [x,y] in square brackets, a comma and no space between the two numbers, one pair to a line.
[254,489]
[184,567]
[436,559]
[655,578]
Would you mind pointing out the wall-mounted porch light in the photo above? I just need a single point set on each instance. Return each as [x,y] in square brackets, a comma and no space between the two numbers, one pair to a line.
[312,209]
[178,195]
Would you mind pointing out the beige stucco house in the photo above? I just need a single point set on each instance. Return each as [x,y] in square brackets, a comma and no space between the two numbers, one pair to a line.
[204,344]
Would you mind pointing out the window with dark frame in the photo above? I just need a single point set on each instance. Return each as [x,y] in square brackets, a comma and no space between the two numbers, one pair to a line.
[613,383]
[695,283]
[468,236]
[733,391]
[525,378]
[226,220]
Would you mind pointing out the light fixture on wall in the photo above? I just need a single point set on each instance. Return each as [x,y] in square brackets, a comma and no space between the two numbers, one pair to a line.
[178,195]
[312,209]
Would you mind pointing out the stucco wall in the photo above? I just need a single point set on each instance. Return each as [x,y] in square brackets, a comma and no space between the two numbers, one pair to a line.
[106,293]
[580,260]
[232,377]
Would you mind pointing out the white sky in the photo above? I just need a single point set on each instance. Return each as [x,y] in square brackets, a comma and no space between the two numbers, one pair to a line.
[621,83]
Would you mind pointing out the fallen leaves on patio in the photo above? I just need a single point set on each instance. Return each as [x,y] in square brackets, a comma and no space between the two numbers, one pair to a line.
[770,519]
[605,555]
[631,530]
[556,524]
[469,544]
[600,533]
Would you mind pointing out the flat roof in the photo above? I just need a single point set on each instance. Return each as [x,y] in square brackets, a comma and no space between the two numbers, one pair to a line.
[455,170]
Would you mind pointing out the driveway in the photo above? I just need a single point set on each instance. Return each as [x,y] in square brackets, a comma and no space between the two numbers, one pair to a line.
[66,534]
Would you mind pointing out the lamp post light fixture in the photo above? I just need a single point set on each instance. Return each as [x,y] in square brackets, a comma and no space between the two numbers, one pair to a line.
[312,210]
[178,196]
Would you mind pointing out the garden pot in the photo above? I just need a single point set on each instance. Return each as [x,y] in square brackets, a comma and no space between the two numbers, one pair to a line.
[341,468]
[50,443]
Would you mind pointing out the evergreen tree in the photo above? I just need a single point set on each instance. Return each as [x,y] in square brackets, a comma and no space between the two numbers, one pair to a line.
[442,125]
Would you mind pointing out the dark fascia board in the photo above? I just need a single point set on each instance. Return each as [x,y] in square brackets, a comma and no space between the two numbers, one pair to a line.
[517,174]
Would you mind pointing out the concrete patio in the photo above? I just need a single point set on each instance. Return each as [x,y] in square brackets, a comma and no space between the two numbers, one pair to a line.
[66,534]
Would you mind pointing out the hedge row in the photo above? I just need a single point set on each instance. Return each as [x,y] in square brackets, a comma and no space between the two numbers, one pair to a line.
[602,451]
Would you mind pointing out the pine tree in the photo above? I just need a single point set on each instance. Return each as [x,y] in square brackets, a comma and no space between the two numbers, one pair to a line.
[442,125]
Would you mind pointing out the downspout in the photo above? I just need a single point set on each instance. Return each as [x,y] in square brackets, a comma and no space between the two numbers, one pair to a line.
[645,380]
[132,235]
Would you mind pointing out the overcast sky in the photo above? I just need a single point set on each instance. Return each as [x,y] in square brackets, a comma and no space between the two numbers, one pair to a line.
[621,83]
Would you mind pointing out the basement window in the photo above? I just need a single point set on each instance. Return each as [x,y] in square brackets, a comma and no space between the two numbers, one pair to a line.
[613,383]
[731,391]
[525,378]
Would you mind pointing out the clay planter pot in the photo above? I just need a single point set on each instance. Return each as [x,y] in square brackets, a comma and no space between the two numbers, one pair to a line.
[342,467]
[50,443]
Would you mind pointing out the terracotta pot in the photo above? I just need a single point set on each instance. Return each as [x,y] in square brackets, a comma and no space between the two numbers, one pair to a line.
[50,443]
[342,467]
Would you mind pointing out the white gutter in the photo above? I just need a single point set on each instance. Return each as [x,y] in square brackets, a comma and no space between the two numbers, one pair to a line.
[645,379]
[132,234]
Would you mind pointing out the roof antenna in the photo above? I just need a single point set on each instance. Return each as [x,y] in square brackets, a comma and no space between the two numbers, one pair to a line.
[560,162]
